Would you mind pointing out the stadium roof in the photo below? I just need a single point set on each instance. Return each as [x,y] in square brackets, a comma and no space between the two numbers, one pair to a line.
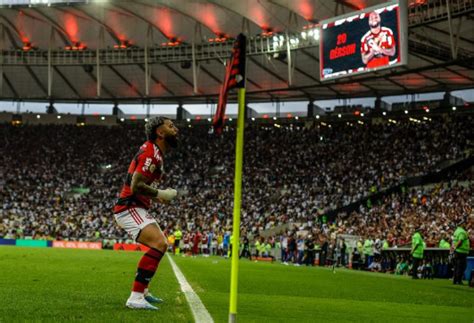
[50,50]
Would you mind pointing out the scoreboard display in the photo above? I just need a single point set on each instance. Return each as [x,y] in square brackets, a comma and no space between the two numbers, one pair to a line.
[363,41]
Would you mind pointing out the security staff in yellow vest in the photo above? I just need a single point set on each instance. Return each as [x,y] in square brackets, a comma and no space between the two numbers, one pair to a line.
[417,249]
[460,249]
[178,236]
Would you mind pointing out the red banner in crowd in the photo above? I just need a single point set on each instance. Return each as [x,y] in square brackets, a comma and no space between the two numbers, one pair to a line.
[77,244]
[130,247]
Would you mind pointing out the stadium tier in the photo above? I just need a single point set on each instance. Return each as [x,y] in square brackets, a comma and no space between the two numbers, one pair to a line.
[293,174]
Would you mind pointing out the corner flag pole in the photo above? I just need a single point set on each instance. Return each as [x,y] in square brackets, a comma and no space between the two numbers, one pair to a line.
[239,152]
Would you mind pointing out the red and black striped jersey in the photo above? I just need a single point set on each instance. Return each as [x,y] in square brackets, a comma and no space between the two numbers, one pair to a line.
[148,161]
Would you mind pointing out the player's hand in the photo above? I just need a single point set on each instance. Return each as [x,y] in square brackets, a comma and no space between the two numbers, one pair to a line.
[161,201]
[377,51]
[167,195]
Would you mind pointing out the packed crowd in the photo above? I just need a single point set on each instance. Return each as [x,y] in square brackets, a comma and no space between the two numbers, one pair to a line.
[60,182]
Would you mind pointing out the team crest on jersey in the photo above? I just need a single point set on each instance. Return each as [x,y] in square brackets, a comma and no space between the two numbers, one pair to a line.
[152,168]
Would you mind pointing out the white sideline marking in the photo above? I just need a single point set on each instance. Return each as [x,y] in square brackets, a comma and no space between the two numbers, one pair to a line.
[200,312]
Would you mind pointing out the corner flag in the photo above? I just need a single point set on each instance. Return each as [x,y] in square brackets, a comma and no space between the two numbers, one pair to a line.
[234,78]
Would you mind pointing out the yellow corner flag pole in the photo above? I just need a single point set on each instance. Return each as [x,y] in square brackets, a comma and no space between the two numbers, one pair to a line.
[239,147]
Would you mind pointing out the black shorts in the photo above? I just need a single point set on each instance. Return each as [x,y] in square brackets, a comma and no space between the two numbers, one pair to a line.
[176,243]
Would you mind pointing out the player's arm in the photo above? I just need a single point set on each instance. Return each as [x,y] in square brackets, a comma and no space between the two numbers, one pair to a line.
[139,186]
[366,57]
[388,51]
[367,53]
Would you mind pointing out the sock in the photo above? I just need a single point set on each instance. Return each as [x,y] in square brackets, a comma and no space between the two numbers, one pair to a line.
[146,269]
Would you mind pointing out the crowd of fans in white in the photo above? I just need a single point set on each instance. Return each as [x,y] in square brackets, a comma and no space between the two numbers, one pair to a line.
[61,182]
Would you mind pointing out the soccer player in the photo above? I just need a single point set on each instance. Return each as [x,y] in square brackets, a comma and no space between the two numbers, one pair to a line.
[378,44]
[131,209]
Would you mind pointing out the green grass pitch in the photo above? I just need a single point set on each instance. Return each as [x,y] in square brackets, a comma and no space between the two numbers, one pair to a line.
[69,285]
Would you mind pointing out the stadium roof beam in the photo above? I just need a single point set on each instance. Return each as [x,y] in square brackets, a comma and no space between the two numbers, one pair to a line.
[60,30]
[395,82]
[447,34]
[120,76]
[36,79]
[28,68]
[12,88]
[422,15]
[173,5]
[101,85]
[185,80]
[437,50]
[139,17]
[156,80]
[269,71]
[317,60]
[227,8]
[347,4]
[371,77]
[64,78]
[12,39]
[212,76]
[109,30]
[447,68]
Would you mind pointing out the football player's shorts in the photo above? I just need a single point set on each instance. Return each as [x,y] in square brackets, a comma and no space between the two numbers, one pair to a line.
[133,221]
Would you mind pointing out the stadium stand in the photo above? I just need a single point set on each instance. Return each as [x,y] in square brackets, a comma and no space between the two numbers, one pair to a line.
[69,179]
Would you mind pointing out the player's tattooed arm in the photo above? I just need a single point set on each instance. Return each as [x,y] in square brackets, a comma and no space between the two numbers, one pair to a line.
[139,186]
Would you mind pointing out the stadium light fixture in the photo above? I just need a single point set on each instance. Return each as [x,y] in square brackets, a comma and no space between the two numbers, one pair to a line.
[316,34]
[59,117]
[296,117]
[38,116]
[209,119]
[339,115]
[384,113]
[188,120]
[317,116]
[361,114]
[274,118]
[253,119]
[454,108]
[427,110]
[406,111]
[77,46]
[230,119]
[102,118]
[122,119]
[146,119]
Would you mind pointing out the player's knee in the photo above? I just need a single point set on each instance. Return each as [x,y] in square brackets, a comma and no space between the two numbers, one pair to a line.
[159,244]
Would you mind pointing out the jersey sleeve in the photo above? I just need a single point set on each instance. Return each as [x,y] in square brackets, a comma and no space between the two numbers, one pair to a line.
[363,45]
[146,165]
[390,39]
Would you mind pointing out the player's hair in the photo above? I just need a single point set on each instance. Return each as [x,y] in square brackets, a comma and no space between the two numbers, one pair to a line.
[152,125]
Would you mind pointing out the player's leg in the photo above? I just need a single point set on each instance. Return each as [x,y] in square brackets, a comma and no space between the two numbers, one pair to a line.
[144,229]
[151,236]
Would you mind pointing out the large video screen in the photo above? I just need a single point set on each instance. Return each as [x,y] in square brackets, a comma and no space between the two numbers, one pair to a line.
[363,41]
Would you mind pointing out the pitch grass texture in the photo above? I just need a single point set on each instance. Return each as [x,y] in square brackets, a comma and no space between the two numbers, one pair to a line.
[71,285]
